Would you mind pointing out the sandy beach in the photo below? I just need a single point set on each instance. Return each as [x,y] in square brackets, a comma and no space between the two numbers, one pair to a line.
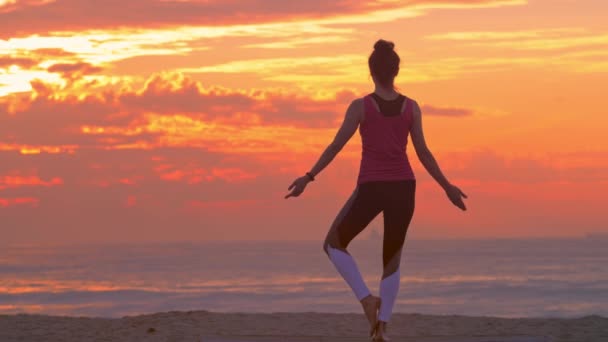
[248,327]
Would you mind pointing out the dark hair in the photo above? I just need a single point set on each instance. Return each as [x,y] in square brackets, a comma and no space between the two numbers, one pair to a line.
[384,62]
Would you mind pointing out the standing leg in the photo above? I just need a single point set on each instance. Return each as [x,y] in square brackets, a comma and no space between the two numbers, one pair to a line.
[398,212]
[357,213]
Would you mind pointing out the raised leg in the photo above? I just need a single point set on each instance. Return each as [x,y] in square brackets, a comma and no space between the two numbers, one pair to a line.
[355,215]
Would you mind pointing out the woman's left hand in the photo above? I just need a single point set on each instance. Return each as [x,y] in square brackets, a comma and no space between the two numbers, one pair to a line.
[298,186]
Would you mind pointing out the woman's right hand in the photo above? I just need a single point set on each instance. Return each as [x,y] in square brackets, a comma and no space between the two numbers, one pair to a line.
[455,195]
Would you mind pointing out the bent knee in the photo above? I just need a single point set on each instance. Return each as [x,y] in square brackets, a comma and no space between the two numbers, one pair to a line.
[326,247]
[331,240]
[333,245]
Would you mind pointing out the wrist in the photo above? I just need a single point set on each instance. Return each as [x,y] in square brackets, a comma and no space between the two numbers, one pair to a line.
[446,186]
[309,176]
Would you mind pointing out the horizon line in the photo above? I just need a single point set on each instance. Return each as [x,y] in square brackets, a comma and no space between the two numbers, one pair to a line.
[587,236]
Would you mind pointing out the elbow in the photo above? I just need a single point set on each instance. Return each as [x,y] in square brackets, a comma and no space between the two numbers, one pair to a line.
[334,147]
[424,155]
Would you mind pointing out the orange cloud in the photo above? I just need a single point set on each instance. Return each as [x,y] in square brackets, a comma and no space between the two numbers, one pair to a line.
[29,58]
[74,70]
[253,185]
[37,149]
[131,201]
[173,110]
[239,204]
[198,175]
[487,166]
[8,202]
[15,181]
[541,39]
[445,111]
[7,61]
[32,15]
[133,38]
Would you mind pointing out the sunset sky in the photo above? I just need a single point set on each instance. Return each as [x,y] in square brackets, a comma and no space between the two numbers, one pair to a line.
[165,120]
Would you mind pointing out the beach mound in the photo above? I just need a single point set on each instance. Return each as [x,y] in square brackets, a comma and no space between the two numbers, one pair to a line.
[212,326]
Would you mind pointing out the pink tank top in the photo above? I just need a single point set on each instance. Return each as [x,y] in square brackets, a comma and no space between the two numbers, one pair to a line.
[384,141]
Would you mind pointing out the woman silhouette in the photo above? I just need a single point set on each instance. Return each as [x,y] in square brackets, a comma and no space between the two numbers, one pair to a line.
[385,183]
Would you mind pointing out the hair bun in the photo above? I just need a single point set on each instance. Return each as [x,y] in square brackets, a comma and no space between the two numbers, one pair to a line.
[384,45]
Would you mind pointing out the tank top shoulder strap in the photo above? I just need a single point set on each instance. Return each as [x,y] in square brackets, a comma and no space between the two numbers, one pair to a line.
[408,105]
[408,111]
[368,106]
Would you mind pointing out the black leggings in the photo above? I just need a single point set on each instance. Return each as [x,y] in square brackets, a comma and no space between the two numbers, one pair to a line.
[396,199]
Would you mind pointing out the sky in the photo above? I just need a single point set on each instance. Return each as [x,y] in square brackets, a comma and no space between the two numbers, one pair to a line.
[187,120]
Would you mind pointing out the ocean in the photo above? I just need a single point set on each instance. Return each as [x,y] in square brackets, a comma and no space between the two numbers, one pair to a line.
[504,277]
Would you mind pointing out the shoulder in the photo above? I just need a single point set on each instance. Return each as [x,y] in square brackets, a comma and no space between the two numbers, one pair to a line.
[357,106]
[414,105]
[358,102]
[411,99]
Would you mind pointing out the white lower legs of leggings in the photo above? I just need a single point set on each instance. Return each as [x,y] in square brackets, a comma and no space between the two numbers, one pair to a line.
[346,266]
[389,287]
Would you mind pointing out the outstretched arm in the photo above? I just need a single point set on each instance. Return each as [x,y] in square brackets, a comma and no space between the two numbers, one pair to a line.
[422,151]
[430,164]
[346,131]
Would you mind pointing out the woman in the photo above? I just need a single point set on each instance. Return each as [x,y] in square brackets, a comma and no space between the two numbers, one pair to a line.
[385,183]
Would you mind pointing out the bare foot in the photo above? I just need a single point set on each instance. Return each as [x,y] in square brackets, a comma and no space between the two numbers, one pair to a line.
[371,305]
[380,333]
